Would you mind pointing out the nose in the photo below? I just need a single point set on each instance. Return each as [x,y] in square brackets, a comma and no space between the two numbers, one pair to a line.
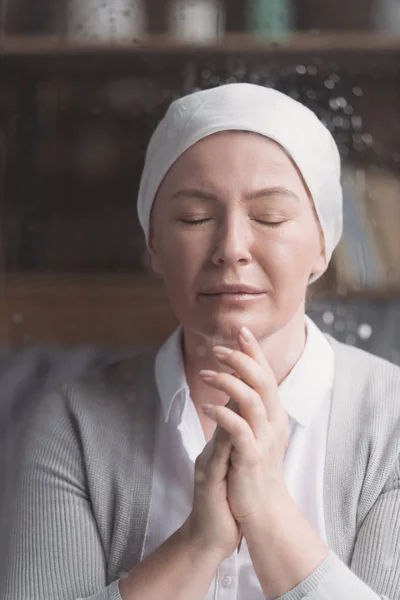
[233,242]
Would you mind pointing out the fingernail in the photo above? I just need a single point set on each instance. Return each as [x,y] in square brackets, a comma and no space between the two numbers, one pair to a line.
[208,374]
[222,351]
[246,334]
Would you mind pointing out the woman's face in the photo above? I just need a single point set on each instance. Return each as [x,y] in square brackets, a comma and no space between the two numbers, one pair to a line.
[233,210]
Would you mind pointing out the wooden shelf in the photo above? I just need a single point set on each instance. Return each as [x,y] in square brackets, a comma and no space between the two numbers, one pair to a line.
[109,310]
[355,53]
[31,46]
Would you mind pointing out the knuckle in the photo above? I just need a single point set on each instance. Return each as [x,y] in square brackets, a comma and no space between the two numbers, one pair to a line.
[238,430]
[260,380]
[251,397]
[200,477]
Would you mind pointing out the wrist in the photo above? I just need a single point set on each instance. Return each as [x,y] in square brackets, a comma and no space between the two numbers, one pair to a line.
[269,517]
[197,545]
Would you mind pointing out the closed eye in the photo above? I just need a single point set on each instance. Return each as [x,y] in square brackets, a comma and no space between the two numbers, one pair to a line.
[193,222]
[270,223]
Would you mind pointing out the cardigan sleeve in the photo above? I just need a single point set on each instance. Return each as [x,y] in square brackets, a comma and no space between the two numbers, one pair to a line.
[50,543]
[374,573]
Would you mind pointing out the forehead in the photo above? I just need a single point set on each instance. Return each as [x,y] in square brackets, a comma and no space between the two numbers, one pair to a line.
[243,158]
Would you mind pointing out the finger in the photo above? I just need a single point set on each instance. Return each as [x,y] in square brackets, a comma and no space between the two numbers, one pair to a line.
[239,430]
[249,371]
[205,456]
[213,462]
[251,407]
[218,465]
[250,346]
[219,444]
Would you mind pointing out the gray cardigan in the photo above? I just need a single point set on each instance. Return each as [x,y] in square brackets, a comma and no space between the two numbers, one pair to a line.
[79,489]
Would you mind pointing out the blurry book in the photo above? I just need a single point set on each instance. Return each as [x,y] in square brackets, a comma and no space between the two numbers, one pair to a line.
[387,16]
[383,207]
[359,259]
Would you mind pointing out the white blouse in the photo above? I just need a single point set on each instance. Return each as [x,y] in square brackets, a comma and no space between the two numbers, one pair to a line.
[306,395]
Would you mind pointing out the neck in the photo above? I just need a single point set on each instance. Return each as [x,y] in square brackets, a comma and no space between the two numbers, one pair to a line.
[282,350]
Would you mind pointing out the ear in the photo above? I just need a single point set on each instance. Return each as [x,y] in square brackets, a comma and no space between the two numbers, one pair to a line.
[320,264]
[155,261]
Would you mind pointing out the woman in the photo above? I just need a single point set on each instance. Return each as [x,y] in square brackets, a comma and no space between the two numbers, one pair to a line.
[138,481]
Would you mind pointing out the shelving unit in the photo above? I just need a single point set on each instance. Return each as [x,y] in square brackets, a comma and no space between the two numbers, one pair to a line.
[350,50]
[321,42]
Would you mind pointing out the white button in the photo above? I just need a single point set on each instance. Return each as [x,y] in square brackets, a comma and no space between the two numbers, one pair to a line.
[226,581]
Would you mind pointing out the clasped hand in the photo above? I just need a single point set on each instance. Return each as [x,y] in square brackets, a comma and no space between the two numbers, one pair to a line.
[257,433]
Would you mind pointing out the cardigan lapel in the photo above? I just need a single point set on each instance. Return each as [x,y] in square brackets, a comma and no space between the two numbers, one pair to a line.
[346,455]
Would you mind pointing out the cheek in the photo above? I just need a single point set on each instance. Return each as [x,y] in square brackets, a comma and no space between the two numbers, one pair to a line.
[180,263]
[289,254]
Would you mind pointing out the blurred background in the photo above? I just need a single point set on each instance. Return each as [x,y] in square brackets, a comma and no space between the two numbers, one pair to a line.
[83,84]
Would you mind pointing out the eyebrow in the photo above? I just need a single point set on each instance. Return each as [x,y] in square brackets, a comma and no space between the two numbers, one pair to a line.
[263,193]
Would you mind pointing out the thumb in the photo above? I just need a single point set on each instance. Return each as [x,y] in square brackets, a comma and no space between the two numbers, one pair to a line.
[219,460]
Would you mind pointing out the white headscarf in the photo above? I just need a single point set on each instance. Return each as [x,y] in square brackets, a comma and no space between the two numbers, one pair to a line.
[249,107]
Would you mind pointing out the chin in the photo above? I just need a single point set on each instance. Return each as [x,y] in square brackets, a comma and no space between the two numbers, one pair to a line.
[224,329]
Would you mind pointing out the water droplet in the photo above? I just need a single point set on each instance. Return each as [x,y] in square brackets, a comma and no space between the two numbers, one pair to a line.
[357,91]
[367,139]
[337,121]
[312,70]
[301,69]
[339,326]
[329,84]
[357,122]
[328,317]
[364,331]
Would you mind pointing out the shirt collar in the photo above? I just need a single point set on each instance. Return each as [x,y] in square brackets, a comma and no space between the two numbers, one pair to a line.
[170,372]
[310,381]
[301,392]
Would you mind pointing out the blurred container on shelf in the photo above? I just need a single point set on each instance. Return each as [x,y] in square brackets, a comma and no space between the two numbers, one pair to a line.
[197,20]
[38,17]
[269,17]
[336,16]
[387,16]
[105,20]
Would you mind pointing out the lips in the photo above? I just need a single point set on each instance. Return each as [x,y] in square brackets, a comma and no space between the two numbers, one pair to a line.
[236,288]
